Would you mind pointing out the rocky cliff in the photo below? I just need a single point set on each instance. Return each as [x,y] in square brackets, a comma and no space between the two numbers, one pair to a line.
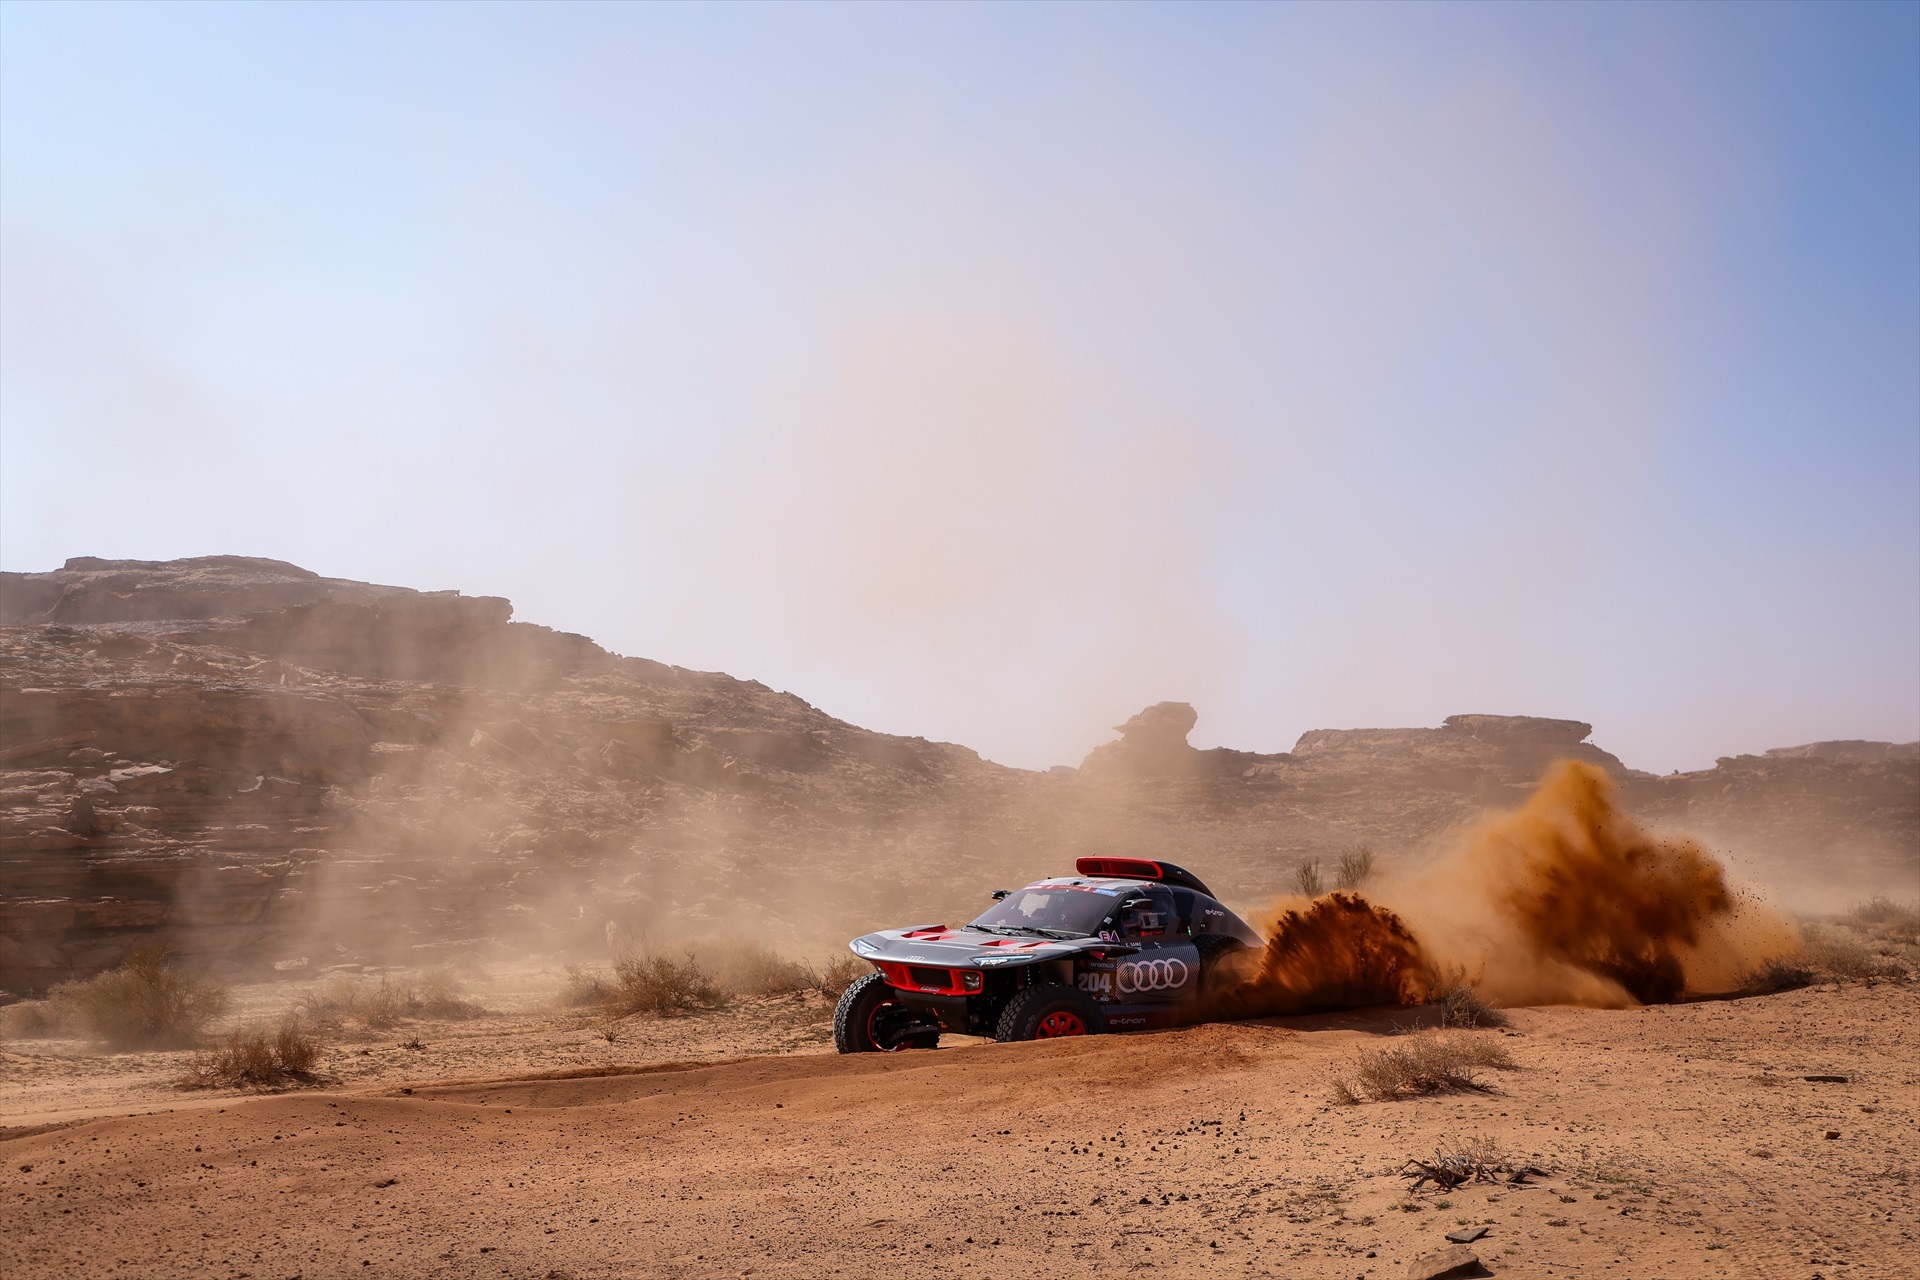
[256,765]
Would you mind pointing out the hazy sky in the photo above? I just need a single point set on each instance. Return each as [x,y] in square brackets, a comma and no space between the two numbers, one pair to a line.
[987,372]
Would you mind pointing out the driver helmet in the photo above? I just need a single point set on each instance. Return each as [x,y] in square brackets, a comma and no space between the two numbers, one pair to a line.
[1144,921]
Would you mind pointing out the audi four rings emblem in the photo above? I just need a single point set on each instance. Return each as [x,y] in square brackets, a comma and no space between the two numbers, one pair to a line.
[1151,975]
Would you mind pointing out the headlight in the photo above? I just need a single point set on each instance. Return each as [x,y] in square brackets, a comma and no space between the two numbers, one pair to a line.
[862,947]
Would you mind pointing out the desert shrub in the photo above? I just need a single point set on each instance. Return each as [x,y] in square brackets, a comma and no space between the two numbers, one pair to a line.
[1832,956]
[1782,973]
[34,1020]
[1481,1149]
[386,1002]
[1307,879]
[1461,1006]
[832,977]
[1458,1161]
[648,982]
[749,969]
[380,1005]
[1356,867]
[708,974]
[257,1058]
[435,994]
[1419,1065]
[146,1003]
[587,988]
[1884,918]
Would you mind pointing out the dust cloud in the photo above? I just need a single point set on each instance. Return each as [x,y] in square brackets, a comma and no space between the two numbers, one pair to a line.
[1339,951]
[1566,900]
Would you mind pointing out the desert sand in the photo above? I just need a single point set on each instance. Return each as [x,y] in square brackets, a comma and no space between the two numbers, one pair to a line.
[295,782]
[1677,1140]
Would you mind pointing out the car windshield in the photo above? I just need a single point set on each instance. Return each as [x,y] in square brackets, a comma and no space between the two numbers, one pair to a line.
[1071,911]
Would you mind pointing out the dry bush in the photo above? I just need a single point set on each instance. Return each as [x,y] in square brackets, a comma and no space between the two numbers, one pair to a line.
[1783,973]
[832,977]
[333,1003]
[1457,1162]
[1887,920]
[1420,1065]
[386,1002]
[146,1003]
[1461,1006]
[1307,880]
[257,1058]
[435,994]
[1480,1149]
[1357,866]
[381,1005]
[1835,956]
[35,1020]
[587,988]
[749,969]
[708,974]
[648,982]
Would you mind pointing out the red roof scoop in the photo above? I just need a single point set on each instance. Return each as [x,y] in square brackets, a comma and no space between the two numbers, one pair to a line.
[1127,868]
[1141,869]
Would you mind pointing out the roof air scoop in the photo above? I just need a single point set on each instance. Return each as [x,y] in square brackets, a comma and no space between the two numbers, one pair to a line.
[1141,869]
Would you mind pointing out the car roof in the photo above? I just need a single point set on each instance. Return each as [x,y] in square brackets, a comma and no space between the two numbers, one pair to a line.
[1112,882]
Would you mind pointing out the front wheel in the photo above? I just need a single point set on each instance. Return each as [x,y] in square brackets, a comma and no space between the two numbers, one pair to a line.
[1049,1011]
[869,1019]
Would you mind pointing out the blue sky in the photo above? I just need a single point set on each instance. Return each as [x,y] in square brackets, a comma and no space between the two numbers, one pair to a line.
[987,372]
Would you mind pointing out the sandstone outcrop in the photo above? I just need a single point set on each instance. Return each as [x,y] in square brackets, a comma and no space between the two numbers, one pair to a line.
[256,765]
[1154,744]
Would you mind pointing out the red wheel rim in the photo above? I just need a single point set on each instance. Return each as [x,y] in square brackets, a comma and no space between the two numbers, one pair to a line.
[1060,1023]
[874,1033]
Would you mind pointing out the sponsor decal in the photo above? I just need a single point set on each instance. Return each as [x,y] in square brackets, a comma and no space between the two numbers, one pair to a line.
[1096,984]
[1152,975]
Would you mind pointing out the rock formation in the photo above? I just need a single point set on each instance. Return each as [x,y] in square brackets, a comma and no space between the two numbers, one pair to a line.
[255,766]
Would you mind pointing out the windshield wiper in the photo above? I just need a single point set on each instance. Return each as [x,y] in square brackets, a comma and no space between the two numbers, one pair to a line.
[1042,933]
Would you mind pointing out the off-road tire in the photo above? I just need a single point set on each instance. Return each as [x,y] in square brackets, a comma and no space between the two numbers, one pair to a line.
[1049,1010]
[853,1019]
[1213,949]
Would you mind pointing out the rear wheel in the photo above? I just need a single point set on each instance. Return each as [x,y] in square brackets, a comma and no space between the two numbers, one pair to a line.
[870,1019]
[1047,1012]
[1216,977]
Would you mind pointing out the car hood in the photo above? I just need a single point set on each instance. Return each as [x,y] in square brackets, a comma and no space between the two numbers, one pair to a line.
[936,944]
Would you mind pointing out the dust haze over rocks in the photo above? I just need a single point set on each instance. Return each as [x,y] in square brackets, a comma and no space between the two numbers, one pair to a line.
[257,765]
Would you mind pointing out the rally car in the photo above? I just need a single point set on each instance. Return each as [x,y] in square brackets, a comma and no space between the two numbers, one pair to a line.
[1128,943]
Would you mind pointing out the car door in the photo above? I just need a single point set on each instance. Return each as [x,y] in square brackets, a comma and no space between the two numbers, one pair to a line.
[1166,969]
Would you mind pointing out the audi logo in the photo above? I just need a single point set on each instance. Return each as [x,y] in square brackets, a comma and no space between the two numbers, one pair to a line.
[1151,975]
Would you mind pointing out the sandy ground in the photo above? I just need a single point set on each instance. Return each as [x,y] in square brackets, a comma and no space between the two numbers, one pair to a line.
[522,1032]
[1682,1141]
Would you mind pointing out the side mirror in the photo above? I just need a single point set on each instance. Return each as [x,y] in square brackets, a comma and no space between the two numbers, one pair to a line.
[998,894]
